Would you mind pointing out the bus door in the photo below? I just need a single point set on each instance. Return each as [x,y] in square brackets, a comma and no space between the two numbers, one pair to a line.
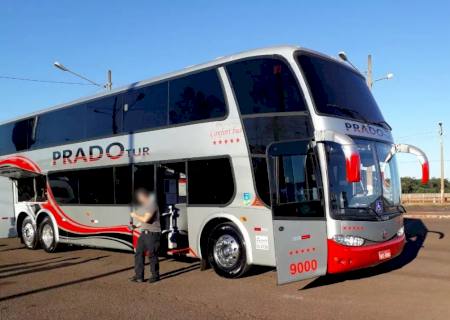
[31,187]
[171,193]
[7,216]
[299,224]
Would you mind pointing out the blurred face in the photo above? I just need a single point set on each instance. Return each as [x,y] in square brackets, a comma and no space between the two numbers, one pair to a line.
[141,198]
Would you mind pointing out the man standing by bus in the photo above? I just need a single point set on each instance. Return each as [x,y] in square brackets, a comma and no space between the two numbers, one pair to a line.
[149,239]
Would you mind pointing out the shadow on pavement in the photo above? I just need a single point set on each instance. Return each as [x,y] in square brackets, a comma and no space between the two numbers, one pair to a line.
[56,266]
[26,262]
[13,249]
[164,276]
[177,272]
[26,267]
[416,233]
[258,270]
[64,284]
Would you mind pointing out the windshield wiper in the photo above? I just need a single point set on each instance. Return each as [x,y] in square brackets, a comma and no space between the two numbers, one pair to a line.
[356,114]
[348,111]
[383,124]
[365,209]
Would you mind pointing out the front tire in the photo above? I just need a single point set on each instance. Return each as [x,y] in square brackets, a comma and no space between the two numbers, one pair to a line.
[29,233]
[227,252]
[47,236]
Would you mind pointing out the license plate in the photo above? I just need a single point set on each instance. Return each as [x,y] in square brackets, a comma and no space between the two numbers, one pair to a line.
[384,254]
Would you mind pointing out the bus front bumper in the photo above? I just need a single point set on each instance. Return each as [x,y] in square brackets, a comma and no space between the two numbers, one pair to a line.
[344,258]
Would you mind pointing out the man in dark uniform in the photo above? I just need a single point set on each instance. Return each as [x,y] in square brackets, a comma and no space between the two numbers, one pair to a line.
[149,239]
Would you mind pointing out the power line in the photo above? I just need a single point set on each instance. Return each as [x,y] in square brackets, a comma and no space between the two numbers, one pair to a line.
[413,161]
[44,81]
[426,133]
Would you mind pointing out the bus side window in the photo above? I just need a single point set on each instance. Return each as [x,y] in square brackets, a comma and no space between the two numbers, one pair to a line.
[96,186]
[146,108]
[196,97]
[25,189]
[144,177]
[123,184]
[210,182]
[41,188]
[64,186]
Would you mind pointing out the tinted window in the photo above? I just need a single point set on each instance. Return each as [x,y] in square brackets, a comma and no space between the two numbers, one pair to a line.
[210,181]
[389,175]
[103,117]
[339,90]
[296,191]
[25,189]
[144,177]
[96,186]
[64,186]
[296,179]
[17,136]
[265,85]
[262,131]
[261,178]
[61,126]
[123,184]
[41,188]
[196,97]
[6,143]
[147,108]
[23,134]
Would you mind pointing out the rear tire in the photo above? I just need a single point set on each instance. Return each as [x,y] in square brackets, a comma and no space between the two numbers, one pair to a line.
[227,252]
[29,233]
[47,236]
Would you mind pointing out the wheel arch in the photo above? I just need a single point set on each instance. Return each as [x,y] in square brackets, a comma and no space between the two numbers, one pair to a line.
[214,220]
[41,215]
[19,220]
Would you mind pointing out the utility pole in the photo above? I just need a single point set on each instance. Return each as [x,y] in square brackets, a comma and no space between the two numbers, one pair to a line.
[108,84]
[441,133]
[369,78]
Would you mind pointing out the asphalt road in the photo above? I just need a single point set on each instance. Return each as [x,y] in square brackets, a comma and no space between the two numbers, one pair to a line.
[92,284]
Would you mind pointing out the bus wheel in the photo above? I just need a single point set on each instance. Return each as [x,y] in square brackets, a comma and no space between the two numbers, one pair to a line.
[226,251]
[29,234]
[47,235]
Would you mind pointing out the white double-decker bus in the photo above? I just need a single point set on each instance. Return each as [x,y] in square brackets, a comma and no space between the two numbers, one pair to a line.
[276,157]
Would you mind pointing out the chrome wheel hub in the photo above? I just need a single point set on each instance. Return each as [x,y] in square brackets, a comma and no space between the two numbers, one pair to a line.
[226,251]
[47,235]
[28,234]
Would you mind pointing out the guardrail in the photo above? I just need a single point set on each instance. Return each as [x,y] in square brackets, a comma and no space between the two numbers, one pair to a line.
[411,198]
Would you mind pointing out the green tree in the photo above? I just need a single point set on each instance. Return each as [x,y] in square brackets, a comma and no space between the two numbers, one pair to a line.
[413,185]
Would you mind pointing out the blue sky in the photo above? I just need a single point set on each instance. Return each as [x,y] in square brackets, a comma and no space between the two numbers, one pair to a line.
[140,39]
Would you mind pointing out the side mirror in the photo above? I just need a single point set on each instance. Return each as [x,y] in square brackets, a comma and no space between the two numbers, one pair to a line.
[352,157]
[406,148]
[352,163]
[425,172]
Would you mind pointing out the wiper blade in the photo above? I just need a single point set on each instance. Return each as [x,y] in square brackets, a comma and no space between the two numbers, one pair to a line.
[359,116]
[349,112]
[367,209]
[383,124]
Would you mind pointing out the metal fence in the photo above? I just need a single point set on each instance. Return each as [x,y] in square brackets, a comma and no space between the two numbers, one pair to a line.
[424,198]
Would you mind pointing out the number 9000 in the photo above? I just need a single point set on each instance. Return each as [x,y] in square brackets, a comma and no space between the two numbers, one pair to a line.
[301,267]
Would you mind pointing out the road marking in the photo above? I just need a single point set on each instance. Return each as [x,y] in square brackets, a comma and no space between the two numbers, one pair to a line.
[293,297]
[428,216]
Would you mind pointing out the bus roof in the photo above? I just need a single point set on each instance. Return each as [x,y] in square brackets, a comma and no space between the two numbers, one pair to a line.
[281,50]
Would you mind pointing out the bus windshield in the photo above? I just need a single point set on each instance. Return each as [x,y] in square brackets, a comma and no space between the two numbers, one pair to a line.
[338,90]
[378,192]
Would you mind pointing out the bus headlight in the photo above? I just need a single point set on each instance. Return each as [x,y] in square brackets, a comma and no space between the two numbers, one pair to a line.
[401,232]
[351,241]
